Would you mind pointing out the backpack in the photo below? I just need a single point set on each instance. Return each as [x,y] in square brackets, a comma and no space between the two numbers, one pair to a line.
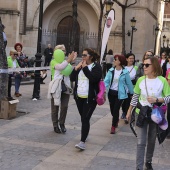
[101,95]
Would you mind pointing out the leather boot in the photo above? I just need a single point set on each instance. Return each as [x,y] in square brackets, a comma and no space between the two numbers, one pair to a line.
[63,129]
[57,130]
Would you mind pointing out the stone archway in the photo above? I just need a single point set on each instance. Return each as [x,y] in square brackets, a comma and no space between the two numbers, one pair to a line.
[64,31]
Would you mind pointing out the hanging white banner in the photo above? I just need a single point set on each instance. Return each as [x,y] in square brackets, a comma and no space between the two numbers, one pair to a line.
[107,29]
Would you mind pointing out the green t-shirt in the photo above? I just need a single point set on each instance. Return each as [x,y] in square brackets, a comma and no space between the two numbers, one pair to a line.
[157,87]
[10,62]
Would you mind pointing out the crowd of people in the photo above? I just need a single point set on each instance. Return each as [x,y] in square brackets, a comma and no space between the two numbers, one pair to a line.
[126,84]
[129,86]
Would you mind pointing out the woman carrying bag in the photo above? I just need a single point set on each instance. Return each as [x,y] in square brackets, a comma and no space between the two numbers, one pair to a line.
[87,75]
[150,89]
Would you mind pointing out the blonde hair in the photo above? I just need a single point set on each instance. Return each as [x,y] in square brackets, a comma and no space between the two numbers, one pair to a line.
[61,46]
[12,52]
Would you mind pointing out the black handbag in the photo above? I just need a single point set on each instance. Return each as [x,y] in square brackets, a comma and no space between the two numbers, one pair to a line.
[63,87]
[161,134]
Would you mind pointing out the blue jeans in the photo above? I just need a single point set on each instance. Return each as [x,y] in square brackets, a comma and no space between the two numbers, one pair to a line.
[17,82]
[147,133]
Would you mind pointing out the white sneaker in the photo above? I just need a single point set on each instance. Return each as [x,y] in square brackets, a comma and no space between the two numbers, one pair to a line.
[81,146]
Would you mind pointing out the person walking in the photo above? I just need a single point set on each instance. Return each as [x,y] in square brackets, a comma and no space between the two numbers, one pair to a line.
[163,58]
[48,53]
[86,76]
[140,71]
[130,66]
[145,95]
[116,81]
[166,66]
[109,59]
[59,124]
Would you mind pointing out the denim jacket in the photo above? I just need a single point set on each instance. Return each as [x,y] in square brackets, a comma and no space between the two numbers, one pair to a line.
[123,84]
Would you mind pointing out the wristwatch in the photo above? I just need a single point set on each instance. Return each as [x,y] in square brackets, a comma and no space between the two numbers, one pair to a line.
[157,100]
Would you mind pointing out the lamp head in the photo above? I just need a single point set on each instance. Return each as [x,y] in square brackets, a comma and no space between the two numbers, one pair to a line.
[109,4]
[164,38]
[133,22]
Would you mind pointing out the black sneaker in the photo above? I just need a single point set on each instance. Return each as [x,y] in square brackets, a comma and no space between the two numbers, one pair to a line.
[148,166]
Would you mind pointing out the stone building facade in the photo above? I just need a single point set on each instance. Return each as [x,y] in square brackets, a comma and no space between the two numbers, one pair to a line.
[20,18]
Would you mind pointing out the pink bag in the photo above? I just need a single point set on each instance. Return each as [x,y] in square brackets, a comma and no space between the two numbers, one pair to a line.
[101,95]
[167,73]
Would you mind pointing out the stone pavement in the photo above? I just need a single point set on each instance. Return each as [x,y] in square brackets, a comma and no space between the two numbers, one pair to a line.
[29,143]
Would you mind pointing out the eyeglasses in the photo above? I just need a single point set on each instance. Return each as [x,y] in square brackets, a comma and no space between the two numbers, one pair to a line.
[84,55]
[115,59]
[149,55]
[146,65]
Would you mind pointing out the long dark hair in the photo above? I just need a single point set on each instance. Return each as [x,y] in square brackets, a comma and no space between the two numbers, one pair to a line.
[110,52]
[94,56]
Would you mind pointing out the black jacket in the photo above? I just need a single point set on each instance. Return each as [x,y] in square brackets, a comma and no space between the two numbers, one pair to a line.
[94,77]
[164,68]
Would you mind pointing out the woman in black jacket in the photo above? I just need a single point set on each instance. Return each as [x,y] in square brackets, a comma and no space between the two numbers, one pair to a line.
[165,66]
[86,75]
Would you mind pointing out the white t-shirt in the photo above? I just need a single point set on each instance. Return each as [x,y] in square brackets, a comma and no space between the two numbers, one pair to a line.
[162,62]
[109,59]
[14,63]
[83,83]
[132,72]
[114,85]
[154,88]
[167,66]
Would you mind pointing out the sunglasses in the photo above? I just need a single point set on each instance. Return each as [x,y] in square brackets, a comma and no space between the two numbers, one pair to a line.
[149,55]
[16,54]
[115,59]
[146,65]
[84,55]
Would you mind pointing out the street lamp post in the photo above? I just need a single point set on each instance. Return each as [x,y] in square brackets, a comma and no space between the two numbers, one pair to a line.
[133,23]
[156,34]
[108,4]
[38,55]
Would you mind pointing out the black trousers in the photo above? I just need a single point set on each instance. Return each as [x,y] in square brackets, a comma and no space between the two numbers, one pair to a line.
[47,61]
[126,104]
[108,66]
[85,110]
[9,84]
[115,104]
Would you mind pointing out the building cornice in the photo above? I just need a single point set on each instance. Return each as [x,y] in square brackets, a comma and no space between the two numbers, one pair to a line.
[9,11]
[145,8]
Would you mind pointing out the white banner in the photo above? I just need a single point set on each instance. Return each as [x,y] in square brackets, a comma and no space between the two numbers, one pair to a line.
[9,70]
[107,29]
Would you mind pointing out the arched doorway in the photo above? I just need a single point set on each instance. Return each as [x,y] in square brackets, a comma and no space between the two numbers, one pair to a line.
[64,32]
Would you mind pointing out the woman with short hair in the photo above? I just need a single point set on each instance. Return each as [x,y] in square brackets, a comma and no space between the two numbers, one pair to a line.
[116,81]
[140,71]
[150,89]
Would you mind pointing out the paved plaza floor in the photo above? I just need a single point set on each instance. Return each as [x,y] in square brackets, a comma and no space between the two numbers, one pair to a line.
[28,142]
